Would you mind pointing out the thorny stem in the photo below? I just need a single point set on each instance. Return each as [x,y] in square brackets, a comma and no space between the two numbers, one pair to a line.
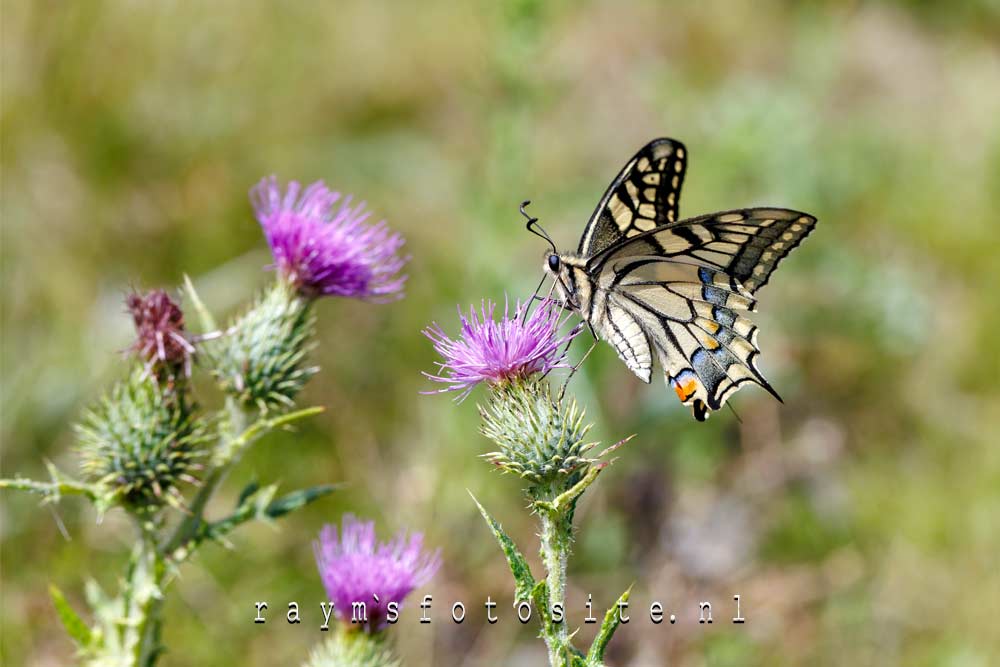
[556,538]
[144,598]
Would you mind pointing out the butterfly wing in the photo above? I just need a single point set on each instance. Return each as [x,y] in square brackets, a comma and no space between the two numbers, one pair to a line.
[644,195]
[684,287]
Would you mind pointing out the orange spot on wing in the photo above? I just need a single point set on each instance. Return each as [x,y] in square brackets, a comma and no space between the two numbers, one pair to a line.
[686,390]
[707,341]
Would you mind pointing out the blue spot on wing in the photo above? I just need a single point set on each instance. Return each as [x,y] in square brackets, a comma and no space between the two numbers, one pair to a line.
[724,316]
[708,370]
[714,295]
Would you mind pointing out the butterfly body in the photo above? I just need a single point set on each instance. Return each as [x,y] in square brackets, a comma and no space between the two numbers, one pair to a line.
[671,291]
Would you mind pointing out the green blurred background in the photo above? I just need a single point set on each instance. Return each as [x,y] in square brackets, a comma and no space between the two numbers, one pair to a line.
[859,521]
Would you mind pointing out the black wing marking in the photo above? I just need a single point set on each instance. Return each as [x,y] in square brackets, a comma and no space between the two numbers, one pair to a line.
[745,244]
[645,195]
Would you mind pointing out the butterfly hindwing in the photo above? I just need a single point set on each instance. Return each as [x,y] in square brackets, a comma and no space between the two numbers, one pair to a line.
[690,317]
[623,331]
[644,195]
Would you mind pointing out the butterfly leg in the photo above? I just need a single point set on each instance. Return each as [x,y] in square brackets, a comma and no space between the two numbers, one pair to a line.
[576,367]
[536,297]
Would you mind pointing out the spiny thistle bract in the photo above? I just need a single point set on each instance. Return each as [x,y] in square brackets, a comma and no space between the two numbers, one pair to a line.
[352,648]
[140,441]
[261,361]
[540,437]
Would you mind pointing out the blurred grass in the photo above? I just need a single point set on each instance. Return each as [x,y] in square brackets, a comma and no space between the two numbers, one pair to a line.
[858,521]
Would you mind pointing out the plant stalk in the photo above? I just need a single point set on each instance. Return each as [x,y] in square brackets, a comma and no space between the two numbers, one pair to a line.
[144,599]
[556,538]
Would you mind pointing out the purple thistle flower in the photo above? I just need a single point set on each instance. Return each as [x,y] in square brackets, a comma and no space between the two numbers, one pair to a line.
[325,248]
[355,568]
[515,348]
[159,326]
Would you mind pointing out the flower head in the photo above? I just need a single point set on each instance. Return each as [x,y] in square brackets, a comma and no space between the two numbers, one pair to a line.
[324,246]
[159,326]
[515,348]
[357,569]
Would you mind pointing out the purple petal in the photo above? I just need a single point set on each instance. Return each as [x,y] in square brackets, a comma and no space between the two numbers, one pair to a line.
[323,245]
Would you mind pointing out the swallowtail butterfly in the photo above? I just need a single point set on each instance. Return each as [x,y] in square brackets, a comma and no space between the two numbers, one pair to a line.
[656,287]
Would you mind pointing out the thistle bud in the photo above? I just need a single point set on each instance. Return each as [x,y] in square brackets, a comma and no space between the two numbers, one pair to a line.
[352,648]
[540,438]
[261,361]
[140,441]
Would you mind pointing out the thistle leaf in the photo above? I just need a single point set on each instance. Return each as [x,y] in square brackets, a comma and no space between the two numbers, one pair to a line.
[255,503]
[247,491]
[611,622]
[566,501]
[293,501]
[524,582]
[540,596]
[78,631]
[207,321]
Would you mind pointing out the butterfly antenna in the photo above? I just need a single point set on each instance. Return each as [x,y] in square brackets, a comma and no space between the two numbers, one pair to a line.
[735,414]
[534,227]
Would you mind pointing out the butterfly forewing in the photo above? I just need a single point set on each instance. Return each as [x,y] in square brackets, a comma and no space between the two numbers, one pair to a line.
[644,195]
[745,244]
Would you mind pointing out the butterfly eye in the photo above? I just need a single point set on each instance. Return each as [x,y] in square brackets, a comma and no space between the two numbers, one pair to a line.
[554,262]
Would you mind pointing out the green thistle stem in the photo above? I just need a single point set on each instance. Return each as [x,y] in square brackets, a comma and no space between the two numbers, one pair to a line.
[143,599]
[556,539]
